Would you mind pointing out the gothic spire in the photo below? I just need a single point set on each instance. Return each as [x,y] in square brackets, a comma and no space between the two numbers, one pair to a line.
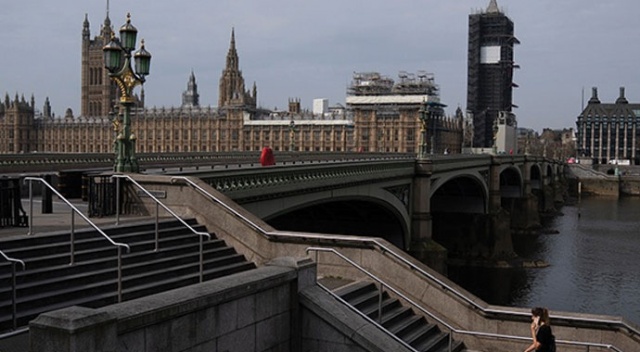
[232,55]
[107,20]
[106,26]
[493,7]
[86,33]
[190,97]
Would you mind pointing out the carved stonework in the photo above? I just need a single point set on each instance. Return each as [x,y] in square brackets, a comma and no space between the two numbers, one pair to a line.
[485,176]
[401,192]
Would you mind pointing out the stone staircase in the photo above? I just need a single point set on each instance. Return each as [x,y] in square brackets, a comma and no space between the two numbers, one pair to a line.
[49,282]
[398,319]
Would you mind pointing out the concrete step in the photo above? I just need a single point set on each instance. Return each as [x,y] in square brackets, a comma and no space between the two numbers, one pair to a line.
[398,319]
[49,282]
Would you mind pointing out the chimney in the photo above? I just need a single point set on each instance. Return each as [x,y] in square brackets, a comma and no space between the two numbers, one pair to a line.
[594,96]
[621,99]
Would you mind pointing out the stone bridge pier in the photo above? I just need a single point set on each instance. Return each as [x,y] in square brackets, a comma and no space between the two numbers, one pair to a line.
[473,213]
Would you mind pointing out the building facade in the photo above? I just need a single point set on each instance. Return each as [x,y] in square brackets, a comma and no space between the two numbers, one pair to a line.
[383,121]
[16,125]
[387,114]
[609,132]
[490,73]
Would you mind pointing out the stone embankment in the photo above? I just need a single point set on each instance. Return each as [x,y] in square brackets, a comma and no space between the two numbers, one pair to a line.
[586,181]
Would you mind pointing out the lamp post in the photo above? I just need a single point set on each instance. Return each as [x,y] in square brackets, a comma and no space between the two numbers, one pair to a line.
[126,79]
[292,134]
[428,111]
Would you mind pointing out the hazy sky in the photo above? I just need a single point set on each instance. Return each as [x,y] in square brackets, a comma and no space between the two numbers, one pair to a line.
[310,49]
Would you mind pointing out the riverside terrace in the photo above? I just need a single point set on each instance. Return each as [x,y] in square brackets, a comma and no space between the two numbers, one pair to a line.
[159,320]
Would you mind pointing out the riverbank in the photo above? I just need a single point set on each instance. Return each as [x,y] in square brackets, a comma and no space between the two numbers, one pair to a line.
[602,181]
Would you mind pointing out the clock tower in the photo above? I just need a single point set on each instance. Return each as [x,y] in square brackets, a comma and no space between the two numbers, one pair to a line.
[490,73]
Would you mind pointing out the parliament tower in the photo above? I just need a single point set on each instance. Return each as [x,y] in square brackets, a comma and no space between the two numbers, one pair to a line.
[232,93]
[97,90]
[490,73]
[99,93]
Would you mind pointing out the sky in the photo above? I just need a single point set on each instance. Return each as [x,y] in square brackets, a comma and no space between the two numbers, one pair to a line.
[310,49]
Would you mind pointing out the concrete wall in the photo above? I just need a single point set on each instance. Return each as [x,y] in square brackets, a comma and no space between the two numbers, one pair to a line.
[630,185]
[276,308]
[608,187]
[250,311]
[328,325]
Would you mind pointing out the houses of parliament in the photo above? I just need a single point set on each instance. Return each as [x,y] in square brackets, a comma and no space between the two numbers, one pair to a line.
[381,115]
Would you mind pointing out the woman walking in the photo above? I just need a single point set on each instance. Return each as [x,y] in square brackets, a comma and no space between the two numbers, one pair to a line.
[543,339]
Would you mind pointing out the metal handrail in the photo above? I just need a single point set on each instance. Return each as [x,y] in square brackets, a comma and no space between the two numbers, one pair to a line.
[424,311]
[13,262]
[159,203]
[73,211]
[385,249]
[382,284]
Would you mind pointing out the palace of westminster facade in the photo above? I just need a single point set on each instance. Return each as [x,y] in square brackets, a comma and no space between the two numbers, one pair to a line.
[380,116]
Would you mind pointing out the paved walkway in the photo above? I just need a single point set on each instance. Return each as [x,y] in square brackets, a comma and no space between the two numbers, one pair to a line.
[60,219]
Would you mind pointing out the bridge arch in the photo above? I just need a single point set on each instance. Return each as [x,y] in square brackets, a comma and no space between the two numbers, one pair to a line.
[467,193]
[535,177]
[458,206]
[549,175]
[375,212]
[511,182]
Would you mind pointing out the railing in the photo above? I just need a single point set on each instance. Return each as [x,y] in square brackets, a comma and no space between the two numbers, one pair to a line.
[75,210]
[382,285]
[451,329]
[47,162]
[413,267]
[13,262]
[160,204]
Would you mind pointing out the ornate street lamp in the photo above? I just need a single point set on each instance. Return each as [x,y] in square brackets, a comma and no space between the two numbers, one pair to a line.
[428,112]
[292,134]
[117,60]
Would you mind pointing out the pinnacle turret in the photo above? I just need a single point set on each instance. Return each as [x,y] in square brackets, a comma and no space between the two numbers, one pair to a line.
[493,7]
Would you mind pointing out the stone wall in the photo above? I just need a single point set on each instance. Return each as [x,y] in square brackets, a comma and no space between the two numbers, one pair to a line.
[275,308]
[608,187]
[611,186]
[630,185]
[250,311]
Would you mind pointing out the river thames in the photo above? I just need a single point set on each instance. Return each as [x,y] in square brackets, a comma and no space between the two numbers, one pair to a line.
[594,263]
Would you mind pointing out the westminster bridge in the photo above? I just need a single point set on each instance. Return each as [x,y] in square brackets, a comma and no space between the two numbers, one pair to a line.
[469,204]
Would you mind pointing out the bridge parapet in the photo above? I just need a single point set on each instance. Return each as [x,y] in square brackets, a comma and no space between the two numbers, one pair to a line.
[38,162]
[262,183]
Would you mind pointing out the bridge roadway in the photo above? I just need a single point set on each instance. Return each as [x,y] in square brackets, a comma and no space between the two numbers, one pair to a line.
[450,199]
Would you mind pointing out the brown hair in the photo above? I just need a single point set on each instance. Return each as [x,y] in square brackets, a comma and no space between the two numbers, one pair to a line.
[541,312]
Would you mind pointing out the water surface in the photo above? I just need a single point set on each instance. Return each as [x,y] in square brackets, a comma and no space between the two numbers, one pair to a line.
[594,263]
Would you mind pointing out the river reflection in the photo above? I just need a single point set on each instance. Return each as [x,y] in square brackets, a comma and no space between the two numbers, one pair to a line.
[595,263]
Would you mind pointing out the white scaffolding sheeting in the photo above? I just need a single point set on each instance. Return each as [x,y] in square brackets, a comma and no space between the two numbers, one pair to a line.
[390,99]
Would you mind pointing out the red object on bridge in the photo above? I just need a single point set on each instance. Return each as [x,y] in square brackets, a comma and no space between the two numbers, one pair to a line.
[267,158]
